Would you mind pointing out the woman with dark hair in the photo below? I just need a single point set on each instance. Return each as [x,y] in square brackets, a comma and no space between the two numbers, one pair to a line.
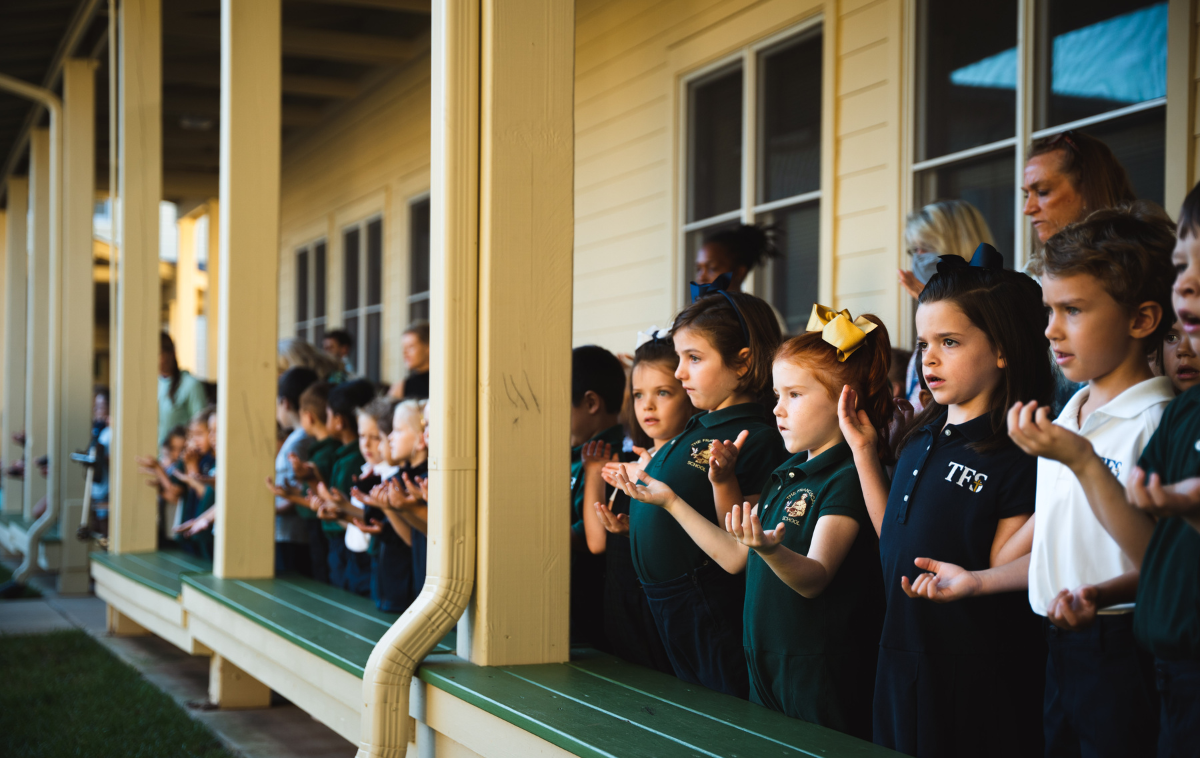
[735,252]
[180,395]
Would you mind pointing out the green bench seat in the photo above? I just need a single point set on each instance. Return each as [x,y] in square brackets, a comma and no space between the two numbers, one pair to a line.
[14,520]
[160,571]
[337,626]
[599,706]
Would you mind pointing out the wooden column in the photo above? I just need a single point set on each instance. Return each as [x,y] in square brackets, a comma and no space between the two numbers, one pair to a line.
[16,263]
[183,317]
[37,345]
[76,311]
[133,512]
[212,297]
[249,235]
[526,229]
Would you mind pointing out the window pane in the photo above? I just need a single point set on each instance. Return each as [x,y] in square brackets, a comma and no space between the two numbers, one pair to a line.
[350,260]
[795,276]
[789,96]
[318,334]
[301,286]
[715,144]
[418,225]
[1139,142]
[966,75]
[319,280]
[373,350]
[374,262]
[418,311]
[693,242]
[987,183]
[1098,56]
[351,325]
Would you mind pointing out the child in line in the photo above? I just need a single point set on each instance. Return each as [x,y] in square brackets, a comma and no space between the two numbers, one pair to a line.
[291,531]
[1106,282]
[1179,359]
[199,472]
[814,594]
[957,679]
[170,490]
[597,390]
[725,342]
[1155,517]
[312,412]
[661,410]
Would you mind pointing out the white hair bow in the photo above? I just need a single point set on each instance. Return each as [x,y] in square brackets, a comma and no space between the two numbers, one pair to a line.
[651,334]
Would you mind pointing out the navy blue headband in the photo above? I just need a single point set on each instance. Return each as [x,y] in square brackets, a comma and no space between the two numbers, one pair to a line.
[718,286]
[985,256]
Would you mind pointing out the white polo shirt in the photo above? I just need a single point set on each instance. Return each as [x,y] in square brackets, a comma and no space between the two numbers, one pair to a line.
[1070,547]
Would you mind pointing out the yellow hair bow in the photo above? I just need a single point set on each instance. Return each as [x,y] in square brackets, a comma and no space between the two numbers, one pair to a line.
[839,330]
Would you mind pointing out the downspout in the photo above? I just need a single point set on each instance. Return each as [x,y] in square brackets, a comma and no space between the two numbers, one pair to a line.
[454,223]
[54,105]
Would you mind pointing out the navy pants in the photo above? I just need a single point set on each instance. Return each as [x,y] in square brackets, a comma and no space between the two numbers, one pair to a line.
[336,556]
[391,575]
[318,550]
[699,618]
[1179,728]
[1100,698]
[292,558]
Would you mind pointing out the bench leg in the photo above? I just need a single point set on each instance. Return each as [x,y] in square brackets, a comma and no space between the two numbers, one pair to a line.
[230,687]
[120,625]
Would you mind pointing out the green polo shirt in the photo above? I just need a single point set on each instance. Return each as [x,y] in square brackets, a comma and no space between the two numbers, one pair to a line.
[1166,618]
[322,455]
[348,465]
[662,550]
[615,436]
[814,658]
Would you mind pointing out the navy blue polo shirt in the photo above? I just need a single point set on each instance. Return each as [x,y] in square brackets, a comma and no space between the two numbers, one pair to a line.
[945,502]
[662,550]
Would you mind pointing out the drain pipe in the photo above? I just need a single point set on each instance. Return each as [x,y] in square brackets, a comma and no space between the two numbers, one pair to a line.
[54,105]
[454,210]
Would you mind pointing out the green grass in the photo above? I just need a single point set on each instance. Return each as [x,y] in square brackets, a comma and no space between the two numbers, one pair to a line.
[63,694]
[6,574]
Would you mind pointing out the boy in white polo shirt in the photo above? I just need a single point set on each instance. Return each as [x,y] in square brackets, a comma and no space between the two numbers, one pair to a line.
[1106,283]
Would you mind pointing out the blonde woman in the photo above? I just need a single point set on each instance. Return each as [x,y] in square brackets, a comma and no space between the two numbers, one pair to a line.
[947,227]
[295,352]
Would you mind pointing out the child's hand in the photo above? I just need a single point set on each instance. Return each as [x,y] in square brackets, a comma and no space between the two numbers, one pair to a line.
[303,471]
[595,454]
[192,527]
[616,523]
[641,486]
[282,490]
[1074,611]
[399,496]
[148,465]
[643,456]
[363,497]
[722,458]
[609,472]
[855,425]
[328,512]
[1163,501]
[944,582]
[330,495]
[418,488]
[1034,432]
[743,523]
[374,527]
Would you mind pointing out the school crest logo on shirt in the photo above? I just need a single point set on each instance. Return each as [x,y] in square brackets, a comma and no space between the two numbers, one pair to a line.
[797,505]
[701,454]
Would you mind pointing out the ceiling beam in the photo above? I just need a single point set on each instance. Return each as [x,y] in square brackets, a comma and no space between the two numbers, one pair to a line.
[311,43]
[407,6]
[292,84]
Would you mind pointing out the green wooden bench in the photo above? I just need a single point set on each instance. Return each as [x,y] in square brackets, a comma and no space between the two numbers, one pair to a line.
[600,706]
[145,588]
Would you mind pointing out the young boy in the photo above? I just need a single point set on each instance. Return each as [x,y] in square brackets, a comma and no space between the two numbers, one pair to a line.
[291,533]
[597,391]
[1106,283]
[322,454]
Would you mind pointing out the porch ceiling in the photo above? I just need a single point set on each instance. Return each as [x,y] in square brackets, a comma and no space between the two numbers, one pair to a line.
[333,51]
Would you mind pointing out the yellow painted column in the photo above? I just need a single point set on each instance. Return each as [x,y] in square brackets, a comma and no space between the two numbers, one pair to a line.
[183,318]
[16,263]
[249,245]
[212,296]
[37,346]
[526,230]
[133,511]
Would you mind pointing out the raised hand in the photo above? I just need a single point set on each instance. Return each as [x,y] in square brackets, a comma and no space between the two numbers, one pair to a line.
[855,426]
[1074,611]
[328,512]
[722,458]
[1160,500]
[911,284]
[643,456]
[595,454]
[616,523]
[418,487]
[942,582]
[641,486]
[374,527]
[1032,429]
[366,498]
[303,471]
[148,465]
[743,523]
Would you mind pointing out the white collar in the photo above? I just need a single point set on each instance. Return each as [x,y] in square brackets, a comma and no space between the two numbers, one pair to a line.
[1129,404]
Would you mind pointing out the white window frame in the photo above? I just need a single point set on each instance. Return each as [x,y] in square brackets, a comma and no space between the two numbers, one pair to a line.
[1026,92]
[362,311]
[749,209]
[412,298]
[312,321]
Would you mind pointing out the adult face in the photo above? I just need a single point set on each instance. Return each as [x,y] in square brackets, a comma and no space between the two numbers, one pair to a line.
[334,348]
[416,352]
[1051,198]
[166,363]
[712,261]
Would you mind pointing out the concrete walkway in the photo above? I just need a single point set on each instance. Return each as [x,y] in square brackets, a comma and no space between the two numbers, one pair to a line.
[281,731]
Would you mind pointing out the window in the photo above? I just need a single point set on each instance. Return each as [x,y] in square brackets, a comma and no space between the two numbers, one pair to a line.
[754,156]
[362,258]
[1099,67]
[418,250]
[310,292]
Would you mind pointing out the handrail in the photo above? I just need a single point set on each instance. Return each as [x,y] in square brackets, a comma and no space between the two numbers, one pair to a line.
[454,211]
[52,104]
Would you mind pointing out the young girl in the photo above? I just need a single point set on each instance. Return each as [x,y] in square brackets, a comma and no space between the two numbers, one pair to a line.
[661,410]
[814,596]
[962,678]
[725,342]
[1179,360]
